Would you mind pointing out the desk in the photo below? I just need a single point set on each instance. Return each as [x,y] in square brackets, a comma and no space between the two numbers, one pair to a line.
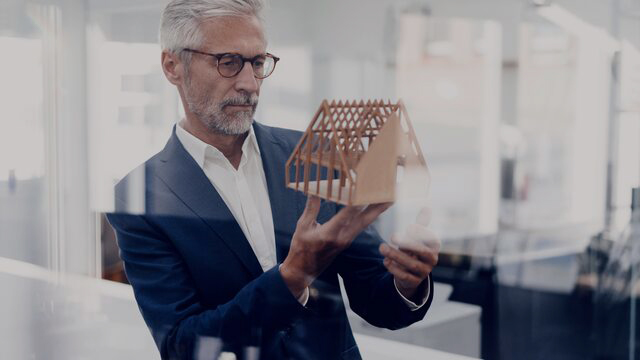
[449,326]
[374,348]
[68,317]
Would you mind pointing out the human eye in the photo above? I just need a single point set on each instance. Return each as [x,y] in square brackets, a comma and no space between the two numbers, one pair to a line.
[259,62]
[229,61]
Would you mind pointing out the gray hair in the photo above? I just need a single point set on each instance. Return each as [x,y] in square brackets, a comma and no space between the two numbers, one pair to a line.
[181,19]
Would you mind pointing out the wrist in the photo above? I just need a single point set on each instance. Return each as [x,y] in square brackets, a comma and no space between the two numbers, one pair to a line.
[409,292]
[293,279]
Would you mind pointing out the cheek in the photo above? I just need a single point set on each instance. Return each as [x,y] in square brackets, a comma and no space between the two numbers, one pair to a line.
[208,90]
[202,82]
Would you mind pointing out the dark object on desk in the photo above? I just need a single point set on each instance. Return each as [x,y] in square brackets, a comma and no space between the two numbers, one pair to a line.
[616,293]
[519,321]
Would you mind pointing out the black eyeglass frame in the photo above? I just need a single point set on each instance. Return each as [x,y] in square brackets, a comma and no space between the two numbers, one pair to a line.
[244,61]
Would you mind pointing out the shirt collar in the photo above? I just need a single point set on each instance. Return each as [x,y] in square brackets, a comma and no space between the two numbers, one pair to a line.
[199,150]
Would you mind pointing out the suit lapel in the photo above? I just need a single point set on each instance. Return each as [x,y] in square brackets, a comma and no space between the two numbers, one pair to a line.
[284,205]
[189,183]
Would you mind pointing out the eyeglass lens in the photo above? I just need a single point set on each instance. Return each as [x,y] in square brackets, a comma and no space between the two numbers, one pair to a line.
[231,64]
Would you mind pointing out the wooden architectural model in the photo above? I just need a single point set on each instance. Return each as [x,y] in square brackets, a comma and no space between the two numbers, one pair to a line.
[354,153]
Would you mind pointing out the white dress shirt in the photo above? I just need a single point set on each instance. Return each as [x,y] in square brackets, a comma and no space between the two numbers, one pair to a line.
[244,191]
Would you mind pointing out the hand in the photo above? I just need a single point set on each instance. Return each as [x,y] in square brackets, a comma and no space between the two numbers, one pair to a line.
[314,246]
[415,256]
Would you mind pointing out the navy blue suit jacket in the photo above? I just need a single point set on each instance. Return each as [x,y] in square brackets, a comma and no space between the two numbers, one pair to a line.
[196,278]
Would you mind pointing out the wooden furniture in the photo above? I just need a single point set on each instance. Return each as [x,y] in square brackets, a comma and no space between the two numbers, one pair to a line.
[356,153]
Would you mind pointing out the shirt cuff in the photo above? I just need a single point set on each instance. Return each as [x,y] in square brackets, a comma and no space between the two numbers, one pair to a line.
[413,306]
[304,298]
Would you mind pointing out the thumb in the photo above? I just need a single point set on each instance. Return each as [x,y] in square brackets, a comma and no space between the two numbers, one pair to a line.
[424,217]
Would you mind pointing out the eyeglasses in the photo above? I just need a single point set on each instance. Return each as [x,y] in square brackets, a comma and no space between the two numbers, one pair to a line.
[230,65]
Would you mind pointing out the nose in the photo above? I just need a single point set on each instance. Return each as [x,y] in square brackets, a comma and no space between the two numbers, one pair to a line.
[246,81]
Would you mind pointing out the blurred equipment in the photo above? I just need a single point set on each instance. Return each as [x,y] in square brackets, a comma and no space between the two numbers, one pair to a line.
[616,296]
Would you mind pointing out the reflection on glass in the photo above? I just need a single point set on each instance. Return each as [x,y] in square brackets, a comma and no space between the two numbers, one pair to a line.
[23,190]
[562,113]
[448,72]
[131,107]
[521,286]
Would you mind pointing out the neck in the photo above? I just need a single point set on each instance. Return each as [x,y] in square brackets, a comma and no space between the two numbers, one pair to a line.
[229,145]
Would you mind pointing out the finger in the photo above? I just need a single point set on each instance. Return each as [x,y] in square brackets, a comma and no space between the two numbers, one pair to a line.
[401,274]
[426,255]
[341,219]
[421,234]
[402,241]
[434,243]
[406,261]
[373,211]
[366,217]
[417,243]
[311,209]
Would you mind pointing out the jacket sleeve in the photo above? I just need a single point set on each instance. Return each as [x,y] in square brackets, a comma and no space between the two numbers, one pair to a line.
[168,299]
[370,288]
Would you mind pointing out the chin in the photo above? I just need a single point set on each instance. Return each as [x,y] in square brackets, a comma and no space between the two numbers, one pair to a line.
[234,129]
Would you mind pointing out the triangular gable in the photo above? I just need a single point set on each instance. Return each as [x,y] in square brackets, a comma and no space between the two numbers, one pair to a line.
[340,142]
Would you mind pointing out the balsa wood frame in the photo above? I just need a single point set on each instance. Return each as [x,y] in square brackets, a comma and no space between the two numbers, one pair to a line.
[363,145]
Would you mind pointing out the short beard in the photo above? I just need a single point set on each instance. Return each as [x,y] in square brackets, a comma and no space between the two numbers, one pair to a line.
[215,119]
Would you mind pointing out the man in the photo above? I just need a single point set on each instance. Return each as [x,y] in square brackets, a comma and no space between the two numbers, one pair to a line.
[224,257]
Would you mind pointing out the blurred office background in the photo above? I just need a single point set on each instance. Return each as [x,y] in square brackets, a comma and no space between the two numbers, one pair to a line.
[528,113]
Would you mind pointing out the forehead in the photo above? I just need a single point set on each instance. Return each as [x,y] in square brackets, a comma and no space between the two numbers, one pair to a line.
[243,35]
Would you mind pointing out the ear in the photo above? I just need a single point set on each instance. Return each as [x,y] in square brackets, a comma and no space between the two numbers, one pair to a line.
[172,67]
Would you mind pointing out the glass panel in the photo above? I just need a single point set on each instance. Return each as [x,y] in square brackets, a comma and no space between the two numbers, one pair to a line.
[130,102]
[23,170]
[448,73]
[532,142]
[563,129]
